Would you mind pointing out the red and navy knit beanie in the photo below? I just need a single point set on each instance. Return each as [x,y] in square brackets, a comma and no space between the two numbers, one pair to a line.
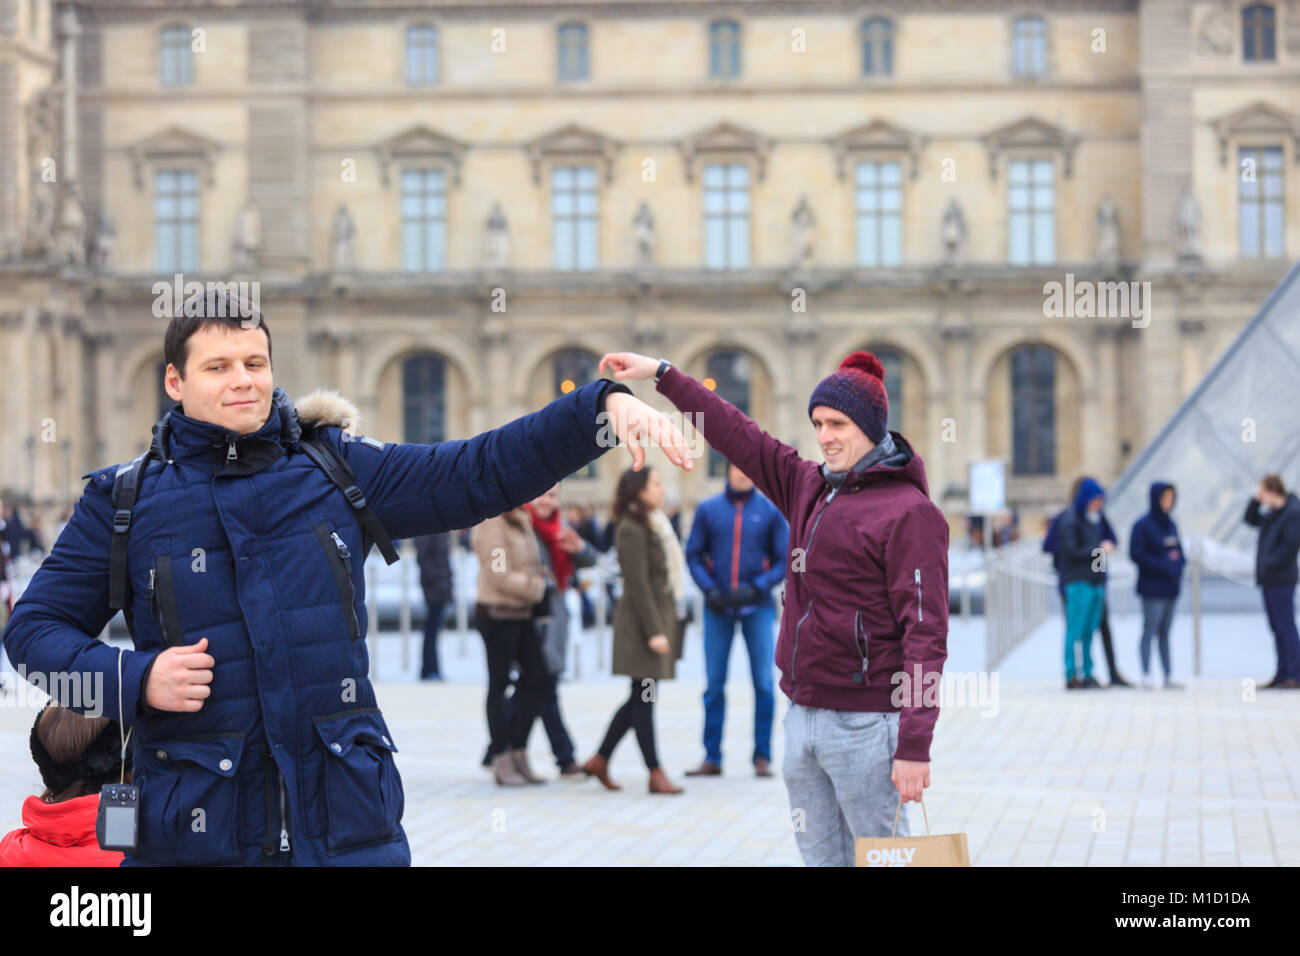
[856,388]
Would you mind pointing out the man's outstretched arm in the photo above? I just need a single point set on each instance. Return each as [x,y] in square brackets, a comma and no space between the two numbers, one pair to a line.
[422,489]
[771,464]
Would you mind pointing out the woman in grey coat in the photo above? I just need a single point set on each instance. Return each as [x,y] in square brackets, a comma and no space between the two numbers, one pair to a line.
[647,633]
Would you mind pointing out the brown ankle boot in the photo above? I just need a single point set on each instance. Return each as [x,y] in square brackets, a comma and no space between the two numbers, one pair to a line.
[598,767]
[659,783]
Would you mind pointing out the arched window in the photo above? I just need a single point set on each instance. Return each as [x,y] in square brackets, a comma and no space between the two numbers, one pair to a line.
[573,368]
[1258,23]
[892,360]
[727,372]
[176,64]
[571,61]
[724,49]
[1033,410]
[877,47]
[422,55]
[424,399]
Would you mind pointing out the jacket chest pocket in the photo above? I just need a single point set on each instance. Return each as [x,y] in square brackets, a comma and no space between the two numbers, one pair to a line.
[189,799]
[340,561]
[361,786]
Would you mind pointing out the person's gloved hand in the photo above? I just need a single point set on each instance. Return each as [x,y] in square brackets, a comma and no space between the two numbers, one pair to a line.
[745,595]
[716,599]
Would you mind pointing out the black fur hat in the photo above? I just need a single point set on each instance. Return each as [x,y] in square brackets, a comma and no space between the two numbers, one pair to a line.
[100,763]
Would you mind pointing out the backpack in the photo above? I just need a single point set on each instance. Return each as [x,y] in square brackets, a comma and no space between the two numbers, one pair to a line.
[126,486]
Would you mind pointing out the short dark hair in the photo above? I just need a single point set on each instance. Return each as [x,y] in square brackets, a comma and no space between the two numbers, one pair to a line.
[1274,484]
[213,307]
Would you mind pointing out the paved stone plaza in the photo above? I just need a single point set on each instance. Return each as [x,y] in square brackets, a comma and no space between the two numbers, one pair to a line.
[1111,777]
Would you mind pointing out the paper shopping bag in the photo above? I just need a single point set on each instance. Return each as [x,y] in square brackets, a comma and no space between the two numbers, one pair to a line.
[945,849]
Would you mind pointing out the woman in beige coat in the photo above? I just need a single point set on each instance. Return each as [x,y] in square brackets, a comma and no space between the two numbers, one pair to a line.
[511,583]
[647,632]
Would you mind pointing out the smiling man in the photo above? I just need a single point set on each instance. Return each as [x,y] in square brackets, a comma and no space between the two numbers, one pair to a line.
[864,629]
[239,566]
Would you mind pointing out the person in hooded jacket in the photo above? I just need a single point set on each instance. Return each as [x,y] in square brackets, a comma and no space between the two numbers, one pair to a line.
[76,756]
[1276,513]
[248,688]
[1083,546]
[1155,549]
[864,625]
[1050,546]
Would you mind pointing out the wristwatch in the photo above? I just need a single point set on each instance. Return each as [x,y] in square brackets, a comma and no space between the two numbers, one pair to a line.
[664,365]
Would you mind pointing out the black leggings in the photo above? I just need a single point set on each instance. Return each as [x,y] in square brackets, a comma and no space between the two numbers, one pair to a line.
[637,713]
[508,642]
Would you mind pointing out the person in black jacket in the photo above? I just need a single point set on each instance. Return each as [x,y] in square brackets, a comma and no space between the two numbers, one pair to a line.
[435,580]
[1082,547]
[1276,512]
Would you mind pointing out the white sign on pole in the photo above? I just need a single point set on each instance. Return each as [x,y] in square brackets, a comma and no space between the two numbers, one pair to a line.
[987,487]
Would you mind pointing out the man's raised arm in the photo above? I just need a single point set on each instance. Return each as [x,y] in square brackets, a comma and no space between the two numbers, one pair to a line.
[422,489]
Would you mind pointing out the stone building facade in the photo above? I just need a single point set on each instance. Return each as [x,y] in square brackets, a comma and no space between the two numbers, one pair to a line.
[452,209]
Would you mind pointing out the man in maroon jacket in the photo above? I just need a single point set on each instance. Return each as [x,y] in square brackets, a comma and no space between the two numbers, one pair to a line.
[864,630]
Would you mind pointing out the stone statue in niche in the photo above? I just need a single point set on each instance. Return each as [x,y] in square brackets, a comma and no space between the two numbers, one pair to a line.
[804,225]
[643,227]
[1189,227]
[70,239]
[42,120]
[1217,30]
[343,236]
[1108,250]
[952,233]
[498,238]
[247,245]
[102,242]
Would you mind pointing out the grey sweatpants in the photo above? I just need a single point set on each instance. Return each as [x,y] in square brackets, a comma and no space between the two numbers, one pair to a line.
[837,767]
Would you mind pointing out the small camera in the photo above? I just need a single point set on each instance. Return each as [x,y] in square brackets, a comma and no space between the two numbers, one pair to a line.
[116,826]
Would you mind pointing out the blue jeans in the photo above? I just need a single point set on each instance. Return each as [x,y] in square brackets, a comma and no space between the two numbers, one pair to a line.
[1157,616]
[1083,602]
[1279,602]
[719,630]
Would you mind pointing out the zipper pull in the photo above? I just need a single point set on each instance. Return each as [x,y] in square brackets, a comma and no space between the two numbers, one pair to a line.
[920,612]
[231,454]
[338,543]
[152,572]
[284,830]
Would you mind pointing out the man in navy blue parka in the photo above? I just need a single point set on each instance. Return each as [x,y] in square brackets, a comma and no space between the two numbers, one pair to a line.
[256,736]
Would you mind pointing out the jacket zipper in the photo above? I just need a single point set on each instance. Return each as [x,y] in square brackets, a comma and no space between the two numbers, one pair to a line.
[231,454]
[284,819]
[920,615]
[342,575]
[346,555]
[807,551]
[857,634]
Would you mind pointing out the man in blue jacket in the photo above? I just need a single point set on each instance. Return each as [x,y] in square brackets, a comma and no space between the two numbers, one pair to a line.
[257,737]
[1276,513]
[1158,554]
[736,552]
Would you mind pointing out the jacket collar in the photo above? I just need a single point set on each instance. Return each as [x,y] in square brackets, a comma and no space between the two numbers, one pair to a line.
[892,458]
[180,438]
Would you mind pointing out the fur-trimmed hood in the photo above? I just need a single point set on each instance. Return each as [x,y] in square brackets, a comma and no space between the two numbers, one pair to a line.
[325,407]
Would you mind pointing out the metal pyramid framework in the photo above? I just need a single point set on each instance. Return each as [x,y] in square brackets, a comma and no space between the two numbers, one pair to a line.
[1206,448]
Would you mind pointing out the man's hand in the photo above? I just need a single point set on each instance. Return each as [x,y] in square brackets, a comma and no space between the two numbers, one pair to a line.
[744,596]
[910,778]
[637,424]
[1108,545]
[629,365]
[659,644]
[180,677]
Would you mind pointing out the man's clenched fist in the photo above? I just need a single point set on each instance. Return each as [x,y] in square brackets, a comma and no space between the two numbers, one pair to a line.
[180,677]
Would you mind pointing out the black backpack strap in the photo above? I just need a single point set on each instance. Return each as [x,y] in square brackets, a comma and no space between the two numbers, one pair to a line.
[126,485]
[329,461]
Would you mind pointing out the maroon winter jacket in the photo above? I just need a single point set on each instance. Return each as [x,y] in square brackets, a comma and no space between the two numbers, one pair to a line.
[866,594]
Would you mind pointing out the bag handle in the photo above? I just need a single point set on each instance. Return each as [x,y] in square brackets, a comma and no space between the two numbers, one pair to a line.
[900,810]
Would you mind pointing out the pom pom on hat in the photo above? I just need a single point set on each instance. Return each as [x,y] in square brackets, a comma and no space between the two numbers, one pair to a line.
[864,362]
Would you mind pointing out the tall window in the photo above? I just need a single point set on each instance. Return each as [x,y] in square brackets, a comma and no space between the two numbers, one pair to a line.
[877,47]
[176,220]
[878,199]
[571,53]
[1259,203]
[424,220]
[177,59]
[1033,410]
[892,360]
[574,220]
[724,49]
[1028,46]
[726,216]
[572,369]
[1257,33]
[728,372]
[422,56]
[1031,212]
[424,399]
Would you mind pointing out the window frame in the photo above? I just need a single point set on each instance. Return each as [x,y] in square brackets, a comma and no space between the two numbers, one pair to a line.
[1261,201]
[560,63]
[425,170]
[436,78]
[886,42]
[577,217]
[1260,36]
[879,161]
[713,27]
[727,216]
[185,64]
[196,223]
[1021,75]
[1033,159]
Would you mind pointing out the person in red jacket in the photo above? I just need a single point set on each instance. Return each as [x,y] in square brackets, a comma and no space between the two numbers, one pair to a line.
[76,755]
[864,629]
